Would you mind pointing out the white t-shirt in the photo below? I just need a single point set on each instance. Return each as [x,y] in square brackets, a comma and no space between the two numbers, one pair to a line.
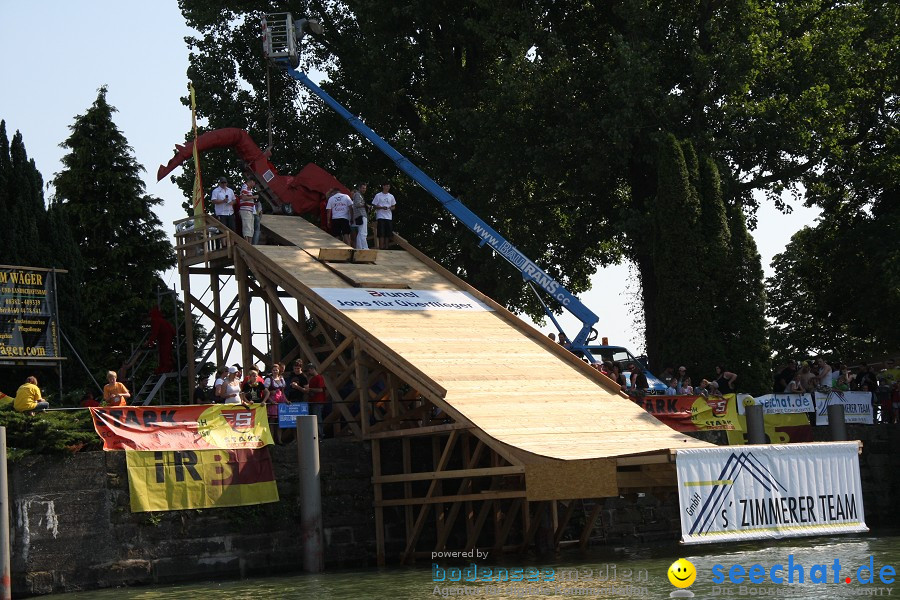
[339,205]
[384,205]
[220,193]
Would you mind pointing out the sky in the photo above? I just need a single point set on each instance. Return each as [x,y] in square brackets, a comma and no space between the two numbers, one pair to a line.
[56,58]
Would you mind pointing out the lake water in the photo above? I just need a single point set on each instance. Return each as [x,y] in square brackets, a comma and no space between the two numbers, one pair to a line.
[619,573]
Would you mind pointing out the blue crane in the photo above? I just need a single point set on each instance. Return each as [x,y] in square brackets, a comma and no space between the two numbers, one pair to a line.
[281,42]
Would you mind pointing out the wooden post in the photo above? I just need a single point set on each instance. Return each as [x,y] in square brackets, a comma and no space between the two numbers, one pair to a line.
[215,284]
[240,277]
[379,510]
[274,334]
[188,335]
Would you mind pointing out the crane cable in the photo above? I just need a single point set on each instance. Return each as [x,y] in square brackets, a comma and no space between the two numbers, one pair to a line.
[269,117]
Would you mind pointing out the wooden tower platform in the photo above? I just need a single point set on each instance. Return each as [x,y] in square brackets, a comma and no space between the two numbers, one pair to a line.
[482,430]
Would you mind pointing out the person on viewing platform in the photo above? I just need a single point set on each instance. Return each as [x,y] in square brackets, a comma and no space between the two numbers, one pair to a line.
[702,389]
[725,380]
[385,204]
[240,372]
[795,385]
[297,383]
[231,389]
[890,375]
[823,372]
[28,397]
[714,389]
[162,334]
[114,392]
[681,375]
[686,388]
[672,387]
[223,200]
[564,342]
[337,211]
[552,337]
[805,375]
[275,383]
[360,218]
[219,385]
[247,209]
[866,377]
[842,384]
[317,396]
[785,376]
[639,382]
[201,392]
[254,390]
[88,400]
[895,402]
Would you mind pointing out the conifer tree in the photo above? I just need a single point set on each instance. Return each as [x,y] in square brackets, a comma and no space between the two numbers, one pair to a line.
[27,203]
[744,304]
[122,243]
[679,305]
[11,249]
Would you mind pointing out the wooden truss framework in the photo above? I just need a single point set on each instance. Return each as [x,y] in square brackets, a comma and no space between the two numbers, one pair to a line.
[451,486]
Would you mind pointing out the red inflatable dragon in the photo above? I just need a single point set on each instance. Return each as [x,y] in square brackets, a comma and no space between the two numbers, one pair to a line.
[297,194]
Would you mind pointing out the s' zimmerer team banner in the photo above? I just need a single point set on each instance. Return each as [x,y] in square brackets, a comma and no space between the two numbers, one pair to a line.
[182,457]
[182,479]
[757,492]
[182,427]
[28,321]
[857,406]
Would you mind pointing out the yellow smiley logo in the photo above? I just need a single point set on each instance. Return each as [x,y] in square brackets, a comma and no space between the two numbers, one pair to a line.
[682,573]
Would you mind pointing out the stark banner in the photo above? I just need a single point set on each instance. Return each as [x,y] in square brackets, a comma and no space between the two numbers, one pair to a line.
[693,413]
[28,325]
[183,479]
[182,427]
[774,491]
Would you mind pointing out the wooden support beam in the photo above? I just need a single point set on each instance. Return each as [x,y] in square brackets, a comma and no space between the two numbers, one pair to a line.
[215,284]
[420,520]
[362,387]
[337,352]
[508,520]
[240,278]
[418,431]
[485,495]
[189,337]
[472,539]
[589,524]
[455,474]
[274,333]
[535,524]
[379,511]
[407,487]
[219,323]
[561,527]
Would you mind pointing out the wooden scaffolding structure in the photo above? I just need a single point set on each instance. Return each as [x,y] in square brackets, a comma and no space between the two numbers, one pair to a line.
[483,432]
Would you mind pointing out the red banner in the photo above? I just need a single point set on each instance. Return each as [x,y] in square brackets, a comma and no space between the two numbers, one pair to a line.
[182,427]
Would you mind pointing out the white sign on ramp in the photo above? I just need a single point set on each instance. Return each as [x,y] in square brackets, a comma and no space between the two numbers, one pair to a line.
[394,299]
[857,406]
[773,491]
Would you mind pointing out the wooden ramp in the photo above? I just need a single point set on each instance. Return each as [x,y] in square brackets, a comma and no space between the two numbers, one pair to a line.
[472,415]
[499,374]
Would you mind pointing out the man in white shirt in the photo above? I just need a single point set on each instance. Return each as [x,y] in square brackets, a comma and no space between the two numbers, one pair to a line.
[384,204]
[223,199]
[337,212]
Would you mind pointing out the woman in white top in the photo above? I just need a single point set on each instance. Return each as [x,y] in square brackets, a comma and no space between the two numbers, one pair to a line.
[824,373]
[231,389]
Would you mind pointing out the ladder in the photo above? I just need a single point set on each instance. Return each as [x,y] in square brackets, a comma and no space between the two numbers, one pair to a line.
[150,388]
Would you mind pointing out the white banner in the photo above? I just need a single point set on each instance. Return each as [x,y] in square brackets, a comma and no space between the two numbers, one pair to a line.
[780,404]
[393,299]
[857,406]
[771,491]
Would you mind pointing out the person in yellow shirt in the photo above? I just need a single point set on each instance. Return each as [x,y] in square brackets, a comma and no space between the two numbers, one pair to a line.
[28,397]
[114,392]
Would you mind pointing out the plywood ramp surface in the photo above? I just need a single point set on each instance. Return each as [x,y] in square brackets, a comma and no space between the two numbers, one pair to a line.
[497,376]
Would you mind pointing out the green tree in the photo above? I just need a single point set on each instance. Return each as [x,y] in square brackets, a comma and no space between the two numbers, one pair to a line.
[123,247]
[26,203]
[546,117]
[836,288]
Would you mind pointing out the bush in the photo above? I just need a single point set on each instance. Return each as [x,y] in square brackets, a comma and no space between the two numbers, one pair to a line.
[48,432]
